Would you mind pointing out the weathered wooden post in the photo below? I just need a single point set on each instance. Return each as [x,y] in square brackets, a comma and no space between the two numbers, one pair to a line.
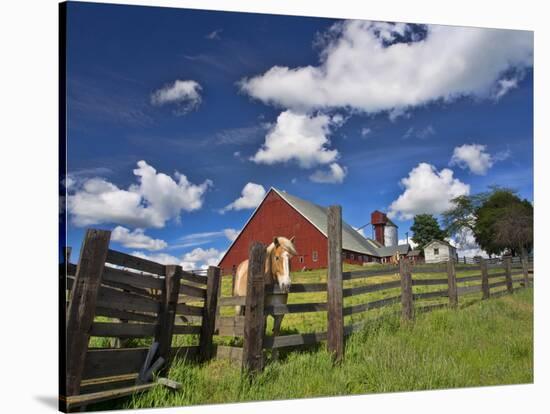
[209,313]
[167,314]
[484,279]
[407,307]
[451,280]
[525,269]
[233,279]
[508,274]
[253,360]
[82,304]
[335,313]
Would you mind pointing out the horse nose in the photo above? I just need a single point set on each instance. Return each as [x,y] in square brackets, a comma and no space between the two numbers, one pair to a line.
[285,287]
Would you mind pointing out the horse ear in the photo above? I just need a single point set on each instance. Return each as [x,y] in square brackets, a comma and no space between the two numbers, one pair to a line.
[292,239]
[276,241]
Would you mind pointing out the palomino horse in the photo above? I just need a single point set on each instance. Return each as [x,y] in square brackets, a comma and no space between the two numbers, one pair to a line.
[277,270]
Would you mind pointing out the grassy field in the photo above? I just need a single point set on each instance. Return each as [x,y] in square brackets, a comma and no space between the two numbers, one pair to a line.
[482,343]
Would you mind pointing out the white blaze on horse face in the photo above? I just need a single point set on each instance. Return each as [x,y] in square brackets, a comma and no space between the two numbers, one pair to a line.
[284,279]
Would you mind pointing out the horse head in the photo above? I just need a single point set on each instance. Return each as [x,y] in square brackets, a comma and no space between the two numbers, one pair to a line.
[278,261]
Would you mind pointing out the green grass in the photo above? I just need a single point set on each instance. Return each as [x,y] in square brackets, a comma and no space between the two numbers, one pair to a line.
[482,343]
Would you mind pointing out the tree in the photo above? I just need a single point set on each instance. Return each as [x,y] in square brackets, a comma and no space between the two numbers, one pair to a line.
[425,228]
[514,230]
[496,218]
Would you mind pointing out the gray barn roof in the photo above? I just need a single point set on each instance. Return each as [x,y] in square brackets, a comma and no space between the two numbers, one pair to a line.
[351,239]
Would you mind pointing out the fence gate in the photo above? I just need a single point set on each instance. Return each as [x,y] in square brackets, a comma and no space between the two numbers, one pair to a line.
[127,319]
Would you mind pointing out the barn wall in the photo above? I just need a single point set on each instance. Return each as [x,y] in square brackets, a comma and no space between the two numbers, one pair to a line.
[273,218]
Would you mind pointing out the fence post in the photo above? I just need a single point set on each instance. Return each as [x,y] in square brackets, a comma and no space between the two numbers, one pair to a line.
[82,304]
[508,272]
[525,268]
[209,313]
[167,314]
[451,278]
[335,314]
[484,279]
[407,307]
[254,328]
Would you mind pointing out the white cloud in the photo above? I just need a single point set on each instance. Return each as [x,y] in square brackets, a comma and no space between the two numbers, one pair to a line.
[162,258]
[185,94]
[466,245]
[365,132]
[136,239]
[358,70]
[334,175]
[474,157]
[196,259]
[231,234]
[422,133]
[427,190]
[504,86]
[155,199]
[411,243]
[214,34]
[197,239]
[299,137]
[251,196]
[201,258]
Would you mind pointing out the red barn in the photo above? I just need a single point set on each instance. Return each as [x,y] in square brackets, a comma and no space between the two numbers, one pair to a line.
[281,214]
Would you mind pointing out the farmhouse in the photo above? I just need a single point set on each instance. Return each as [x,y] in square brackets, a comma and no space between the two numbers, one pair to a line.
[438,251]
[282,214]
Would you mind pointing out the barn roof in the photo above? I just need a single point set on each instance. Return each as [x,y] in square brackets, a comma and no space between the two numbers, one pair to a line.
[317,215]
[387,251]
[440,242]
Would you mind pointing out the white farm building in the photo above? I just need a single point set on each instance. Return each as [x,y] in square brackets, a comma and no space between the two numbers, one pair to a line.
[438,251]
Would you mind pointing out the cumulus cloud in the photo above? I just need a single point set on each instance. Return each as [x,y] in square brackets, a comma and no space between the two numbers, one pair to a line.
[136,239]
[334,175]
[196,259]
[427,190]
[184,94]
[362,70]
[298,137]
[476,158]
[201,258]
[466,245]
[251,196]
[155,199]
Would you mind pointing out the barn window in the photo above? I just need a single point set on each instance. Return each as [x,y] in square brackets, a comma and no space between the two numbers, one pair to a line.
[436,252]
[301,259]
[352,257]
[314,256]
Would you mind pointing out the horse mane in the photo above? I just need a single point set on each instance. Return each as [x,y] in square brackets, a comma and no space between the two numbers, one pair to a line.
[287,245]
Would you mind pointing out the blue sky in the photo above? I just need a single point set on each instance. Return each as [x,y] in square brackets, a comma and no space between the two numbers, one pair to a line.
[368,115]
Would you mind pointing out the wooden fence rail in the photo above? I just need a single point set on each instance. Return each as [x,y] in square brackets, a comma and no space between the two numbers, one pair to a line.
[416,288]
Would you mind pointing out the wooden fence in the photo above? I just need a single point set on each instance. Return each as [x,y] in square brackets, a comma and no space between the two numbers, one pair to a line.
[115,295]
[406,288]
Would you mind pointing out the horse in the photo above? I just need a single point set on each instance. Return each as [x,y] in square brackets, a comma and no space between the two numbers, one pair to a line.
[277,270]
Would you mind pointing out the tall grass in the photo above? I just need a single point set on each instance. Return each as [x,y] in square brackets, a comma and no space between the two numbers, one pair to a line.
[482,343]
